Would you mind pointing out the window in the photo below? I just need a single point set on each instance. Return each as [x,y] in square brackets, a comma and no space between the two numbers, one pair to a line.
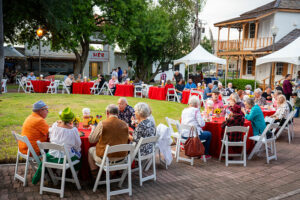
[249,66]
[279,68]
[252,30]
[177,67]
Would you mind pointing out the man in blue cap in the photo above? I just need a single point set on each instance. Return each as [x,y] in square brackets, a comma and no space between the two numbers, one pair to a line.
[35,127]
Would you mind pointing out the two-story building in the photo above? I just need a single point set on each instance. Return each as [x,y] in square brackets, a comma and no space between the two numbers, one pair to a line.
[256,39]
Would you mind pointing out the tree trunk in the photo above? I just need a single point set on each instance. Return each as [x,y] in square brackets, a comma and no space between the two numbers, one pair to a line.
[1,47]
[81,58]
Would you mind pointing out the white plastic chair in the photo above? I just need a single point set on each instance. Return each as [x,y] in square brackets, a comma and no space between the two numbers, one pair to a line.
[31,158]
[289,126]
[28,87]
[105,89]
[65,88]
[95,89]
[109,166]
[175,135]
[52,88]
[67,164]
[21,85]
[145,90]
[227,144]
[3,85]
[263,140]
[138,91]
[172,93]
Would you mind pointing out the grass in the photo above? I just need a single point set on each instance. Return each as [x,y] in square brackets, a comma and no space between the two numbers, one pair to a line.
[15,107]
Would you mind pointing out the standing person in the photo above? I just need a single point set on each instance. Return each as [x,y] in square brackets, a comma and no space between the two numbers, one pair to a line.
[179,88]
[298,78]
[131,73]
[177,76]
[35,127]
[69,82]
[114,73]
[287,87]
[163,77]
[120,73]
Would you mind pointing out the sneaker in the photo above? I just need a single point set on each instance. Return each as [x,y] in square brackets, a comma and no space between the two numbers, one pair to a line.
[207,157]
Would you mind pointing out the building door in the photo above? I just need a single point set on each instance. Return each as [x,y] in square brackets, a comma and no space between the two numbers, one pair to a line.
[95,68]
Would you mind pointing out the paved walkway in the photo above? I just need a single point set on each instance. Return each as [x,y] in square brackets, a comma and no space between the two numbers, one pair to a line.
[278,180]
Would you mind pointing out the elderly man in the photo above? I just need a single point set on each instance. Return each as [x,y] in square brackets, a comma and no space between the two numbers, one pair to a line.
[126,112]
[190,85]
[228,90]
[35,127]
[191,116]
[207,92]
[215,98]
[111,131]
[31,76]
[268,94]
[259,100]
[69,82]
[177,77]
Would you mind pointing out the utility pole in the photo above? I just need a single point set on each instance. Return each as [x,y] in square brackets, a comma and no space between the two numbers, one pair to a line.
[1,46]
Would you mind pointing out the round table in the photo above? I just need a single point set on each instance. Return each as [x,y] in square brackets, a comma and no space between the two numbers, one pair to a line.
[186,96]
[158,93]
[124,90]
[217,135]
[82,88]
[40,86]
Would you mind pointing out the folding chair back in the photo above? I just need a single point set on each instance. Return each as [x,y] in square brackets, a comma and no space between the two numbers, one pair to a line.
[65,88]
[176,135]
[51,88]
[286,125]
[105,89]
[138,91]
[67,163]
[31,157]
[108,166]
[171,92]
[3,86]
[95,88]
[21,85]
[29,87]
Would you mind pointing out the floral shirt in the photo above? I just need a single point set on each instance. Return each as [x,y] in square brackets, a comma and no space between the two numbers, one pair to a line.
[261,101]
[282,111]
[126,115]
[145,129]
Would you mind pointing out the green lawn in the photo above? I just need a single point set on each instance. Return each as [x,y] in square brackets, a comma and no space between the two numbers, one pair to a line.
[15,107]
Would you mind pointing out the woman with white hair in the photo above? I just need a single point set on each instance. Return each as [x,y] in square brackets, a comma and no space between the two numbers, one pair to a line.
[144,126]
[235,97]
[282,110]
[248,90]
[259,100]
[191,116]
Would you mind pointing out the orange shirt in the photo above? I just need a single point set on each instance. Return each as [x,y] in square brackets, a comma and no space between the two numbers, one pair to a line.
[35,128]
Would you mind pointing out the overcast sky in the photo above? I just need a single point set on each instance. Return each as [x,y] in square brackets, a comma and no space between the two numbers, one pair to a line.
[220,10]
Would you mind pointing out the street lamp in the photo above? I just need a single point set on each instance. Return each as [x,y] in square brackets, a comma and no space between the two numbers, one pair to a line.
[39,33]
[274,33]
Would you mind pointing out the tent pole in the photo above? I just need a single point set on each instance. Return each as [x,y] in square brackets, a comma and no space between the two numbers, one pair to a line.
[188,71]
[226,73]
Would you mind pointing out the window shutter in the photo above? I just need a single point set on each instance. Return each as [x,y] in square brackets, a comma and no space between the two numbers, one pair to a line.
[246,32]
[285,69]
[253,67]
[244,67]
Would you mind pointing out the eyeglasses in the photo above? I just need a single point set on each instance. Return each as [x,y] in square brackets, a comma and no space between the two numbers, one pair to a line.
[45,109]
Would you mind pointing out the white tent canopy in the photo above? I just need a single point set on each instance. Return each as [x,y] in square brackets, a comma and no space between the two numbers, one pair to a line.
[199,55]
[288,54]
[10,51]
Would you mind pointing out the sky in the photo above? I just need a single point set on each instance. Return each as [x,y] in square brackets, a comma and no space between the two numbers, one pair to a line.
[220,10]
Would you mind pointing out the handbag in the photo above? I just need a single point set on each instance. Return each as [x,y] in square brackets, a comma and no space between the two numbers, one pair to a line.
[193,146]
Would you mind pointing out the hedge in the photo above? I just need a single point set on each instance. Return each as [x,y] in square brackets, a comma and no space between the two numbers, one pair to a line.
[240,84]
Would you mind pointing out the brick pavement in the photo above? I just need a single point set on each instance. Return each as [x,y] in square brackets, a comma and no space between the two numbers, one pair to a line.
[211,180]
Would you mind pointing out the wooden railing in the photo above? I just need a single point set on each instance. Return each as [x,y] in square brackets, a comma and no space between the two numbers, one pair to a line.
[248,44]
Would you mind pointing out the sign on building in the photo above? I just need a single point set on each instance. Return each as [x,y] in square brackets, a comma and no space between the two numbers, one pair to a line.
[99,56]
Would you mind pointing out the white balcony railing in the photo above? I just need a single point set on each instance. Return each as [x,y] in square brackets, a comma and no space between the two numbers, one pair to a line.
[248,44]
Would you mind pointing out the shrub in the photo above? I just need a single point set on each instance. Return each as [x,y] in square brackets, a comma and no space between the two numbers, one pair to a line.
[240,84]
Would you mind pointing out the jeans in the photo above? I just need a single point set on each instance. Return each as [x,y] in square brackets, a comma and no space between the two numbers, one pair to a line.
[205,135]
[297,111]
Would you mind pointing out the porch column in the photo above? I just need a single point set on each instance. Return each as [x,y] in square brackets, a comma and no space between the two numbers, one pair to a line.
[218,40]
[244,25]
[237,67]
[255,38]
[292,69]
[228,38]
[242,66]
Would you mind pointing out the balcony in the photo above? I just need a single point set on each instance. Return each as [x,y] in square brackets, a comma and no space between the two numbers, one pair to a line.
[246,45]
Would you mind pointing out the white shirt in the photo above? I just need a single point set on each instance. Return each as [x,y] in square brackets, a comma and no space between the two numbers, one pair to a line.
[192,116]
[114,73]
[69,137]
[68,82]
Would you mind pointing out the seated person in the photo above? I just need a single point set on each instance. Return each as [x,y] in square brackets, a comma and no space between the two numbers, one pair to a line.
[241,94]
[101,80]
[180,87]
[208,91]
[35,127]
[62,133]
[215,85]
[190,85]
[267,94]
[282,110]
[248,90]
[144,127]
[191,116]
[79,79]
[276,94]
[220,88]
[126,112]
[69,82]
[259,100]
[31,77]
[168,85]
[124,76]
[112,84]
[111,131]
[228,90]
[216,102]
[235,97]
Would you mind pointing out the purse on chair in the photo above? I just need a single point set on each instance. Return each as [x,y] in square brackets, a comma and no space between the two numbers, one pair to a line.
[193,146]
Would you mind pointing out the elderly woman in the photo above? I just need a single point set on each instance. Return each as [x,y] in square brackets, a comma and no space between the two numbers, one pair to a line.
[241,94]
[235,97]
[144,126]
[112,84]
[256,116]
[276,94]
[259,100]
[191,116]
[282,110]
[124,75]
[248,90]
[63,133]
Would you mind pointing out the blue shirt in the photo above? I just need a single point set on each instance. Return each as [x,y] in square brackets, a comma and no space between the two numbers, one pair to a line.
[190,86]
[256,117]
[120,72]
[31,77]
[206,91]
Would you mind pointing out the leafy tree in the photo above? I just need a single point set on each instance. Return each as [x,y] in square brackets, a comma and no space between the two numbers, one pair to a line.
[206,44]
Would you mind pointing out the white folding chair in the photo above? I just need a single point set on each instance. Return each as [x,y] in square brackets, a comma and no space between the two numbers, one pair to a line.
[181,141]
[31,158]
[138,91]
[28,87]
[288,125]
[263,140]
[105,89]
[65,88]
[171,93]
[66,164]
[108,165]
[95,89]
[52,88]
[3,85]
[227,144]
[175,135]
[145,90]
[21,85]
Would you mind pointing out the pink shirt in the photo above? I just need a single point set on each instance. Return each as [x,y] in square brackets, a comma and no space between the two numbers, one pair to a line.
[112,83]
[218,104]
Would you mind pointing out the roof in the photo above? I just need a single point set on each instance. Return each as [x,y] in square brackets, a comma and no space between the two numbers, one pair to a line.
[266,9]
[289,38]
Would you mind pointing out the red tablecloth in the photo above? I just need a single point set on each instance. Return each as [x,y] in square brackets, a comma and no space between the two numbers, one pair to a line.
[186,96]
[82,88]
[158,93]
[268,112]
[217,135]
[40,86]
[124,90]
